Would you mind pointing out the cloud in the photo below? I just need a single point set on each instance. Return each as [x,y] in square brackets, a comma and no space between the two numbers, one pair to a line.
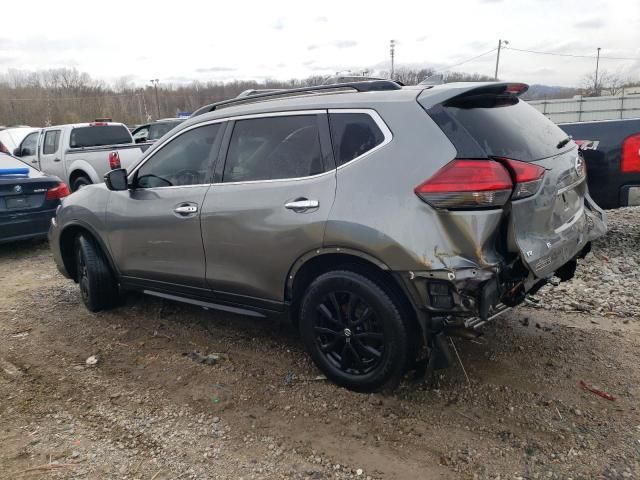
[344,43]
[322,19]
[311,47]
[590,23]
[278,24]
[422,38]
[490,1]
[215,69]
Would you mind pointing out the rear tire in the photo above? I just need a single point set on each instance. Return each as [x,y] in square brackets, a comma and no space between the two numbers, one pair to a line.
[98,286]
[79,182]
[353,330]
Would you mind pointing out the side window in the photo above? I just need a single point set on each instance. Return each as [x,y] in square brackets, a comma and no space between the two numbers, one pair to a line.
[30,143]
[185,160]
[51,142]
[143,133]
[274,148]
[352,135]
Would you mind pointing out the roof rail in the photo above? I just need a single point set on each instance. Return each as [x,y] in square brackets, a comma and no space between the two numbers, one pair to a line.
[366,86]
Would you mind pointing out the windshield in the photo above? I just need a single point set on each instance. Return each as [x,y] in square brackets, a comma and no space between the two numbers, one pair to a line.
[99,135]
[9,162]
[157,130]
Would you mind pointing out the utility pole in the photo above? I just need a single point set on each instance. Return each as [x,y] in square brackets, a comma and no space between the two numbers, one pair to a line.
[500,44]
[595,82]
[154,82]
[392,50]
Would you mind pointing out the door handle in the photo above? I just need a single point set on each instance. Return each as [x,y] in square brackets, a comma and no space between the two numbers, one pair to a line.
[185,209]
[56,159]
[302,204]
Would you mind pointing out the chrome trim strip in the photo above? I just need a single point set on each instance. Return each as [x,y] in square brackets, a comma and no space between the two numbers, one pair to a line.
[220,120]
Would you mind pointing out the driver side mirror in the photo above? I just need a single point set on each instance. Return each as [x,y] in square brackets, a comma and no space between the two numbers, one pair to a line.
[116,180]
[17,152]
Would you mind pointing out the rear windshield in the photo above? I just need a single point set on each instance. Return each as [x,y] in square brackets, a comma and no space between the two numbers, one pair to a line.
[99,135]
[9,162]
[517,131]
[157,130]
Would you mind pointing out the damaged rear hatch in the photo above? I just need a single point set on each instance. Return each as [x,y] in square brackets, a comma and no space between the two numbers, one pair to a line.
[551,215]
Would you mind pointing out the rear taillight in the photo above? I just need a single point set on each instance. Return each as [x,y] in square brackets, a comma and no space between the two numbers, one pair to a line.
[59,191]
[114,160]
[463,184]
[4,149]
[631,154]
[528,177]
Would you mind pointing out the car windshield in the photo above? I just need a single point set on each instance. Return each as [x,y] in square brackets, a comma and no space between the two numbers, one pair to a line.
[99,135]
[8,162]
[157,130]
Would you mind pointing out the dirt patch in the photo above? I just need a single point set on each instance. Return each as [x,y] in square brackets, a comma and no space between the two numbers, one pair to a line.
[150,408]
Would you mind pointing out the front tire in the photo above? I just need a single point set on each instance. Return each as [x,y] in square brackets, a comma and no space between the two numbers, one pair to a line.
[353,330]
[98,286]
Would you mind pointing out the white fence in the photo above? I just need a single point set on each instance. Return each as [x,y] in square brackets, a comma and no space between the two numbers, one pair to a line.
[586,109]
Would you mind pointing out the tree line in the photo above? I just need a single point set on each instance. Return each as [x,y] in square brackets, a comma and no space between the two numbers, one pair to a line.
[66,95]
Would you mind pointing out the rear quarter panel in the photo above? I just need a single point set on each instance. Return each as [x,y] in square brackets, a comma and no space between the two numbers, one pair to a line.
[377,212]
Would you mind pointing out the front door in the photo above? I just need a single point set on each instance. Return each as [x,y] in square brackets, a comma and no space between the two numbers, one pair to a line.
[154,228]
[269,206]
[28,149]
[51,155]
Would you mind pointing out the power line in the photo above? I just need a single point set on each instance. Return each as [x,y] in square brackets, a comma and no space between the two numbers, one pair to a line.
[569,54]
[468,60]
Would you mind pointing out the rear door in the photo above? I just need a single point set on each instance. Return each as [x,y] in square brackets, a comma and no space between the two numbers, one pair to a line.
[269,206]
[154,228]
[51,154]
[549,228]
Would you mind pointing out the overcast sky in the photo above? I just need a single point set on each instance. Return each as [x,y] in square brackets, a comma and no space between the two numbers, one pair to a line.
[179,41]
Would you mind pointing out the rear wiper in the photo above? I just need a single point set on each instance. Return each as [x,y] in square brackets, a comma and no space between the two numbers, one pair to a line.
[562,143]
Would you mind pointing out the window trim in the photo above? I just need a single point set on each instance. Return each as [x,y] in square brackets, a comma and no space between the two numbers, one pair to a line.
[375,116]
[225,139]
[224,144]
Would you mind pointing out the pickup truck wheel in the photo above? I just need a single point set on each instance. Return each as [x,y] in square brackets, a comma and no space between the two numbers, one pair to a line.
[98,287]
[79,182]
[353,330]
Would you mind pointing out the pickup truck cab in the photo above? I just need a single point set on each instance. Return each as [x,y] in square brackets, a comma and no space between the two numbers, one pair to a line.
[79,154]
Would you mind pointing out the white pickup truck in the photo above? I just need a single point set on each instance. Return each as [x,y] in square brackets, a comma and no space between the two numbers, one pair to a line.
[81,153]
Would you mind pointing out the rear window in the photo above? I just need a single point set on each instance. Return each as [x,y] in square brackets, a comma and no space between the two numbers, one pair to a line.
[517,131]
[9,162]
[157,130]
[99,135]
[353,135]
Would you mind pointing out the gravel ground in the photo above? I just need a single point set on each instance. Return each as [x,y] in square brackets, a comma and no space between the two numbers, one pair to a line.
[607,279]
[148,408]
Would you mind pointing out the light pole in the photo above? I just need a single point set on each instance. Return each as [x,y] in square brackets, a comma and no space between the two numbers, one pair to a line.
[595,83]
[392,50]
[154,82]
[500,44]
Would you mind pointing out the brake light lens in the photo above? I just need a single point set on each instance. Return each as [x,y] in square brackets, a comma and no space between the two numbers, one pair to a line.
[467,184]
[114,160]
[98,124]
[528,177]
[631,154]
[516,88]
[59,191]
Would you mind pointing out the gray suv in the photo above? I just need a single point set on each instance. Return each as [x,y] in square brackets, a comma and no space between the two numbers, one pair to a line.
[380,218]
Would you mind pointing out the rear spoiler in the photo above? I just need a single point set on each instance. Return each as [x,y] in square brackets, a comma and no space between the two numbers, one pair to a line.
[461,92]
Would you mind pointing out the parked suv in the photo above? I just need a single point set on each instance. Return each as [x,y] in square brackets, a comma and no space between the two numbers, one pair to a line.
[380,218]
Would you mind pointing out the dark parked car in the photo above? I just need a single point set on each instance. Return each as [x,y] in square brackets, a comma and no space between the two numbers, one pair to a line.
[611,149]
[28,200]
[381,218]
